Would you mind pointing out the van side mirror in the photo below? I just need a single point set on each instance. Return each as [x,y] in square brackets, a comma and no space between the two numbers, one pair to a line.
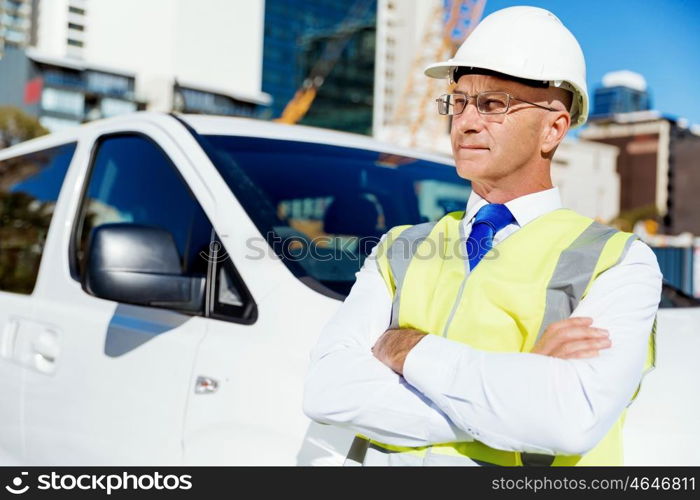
[139,264]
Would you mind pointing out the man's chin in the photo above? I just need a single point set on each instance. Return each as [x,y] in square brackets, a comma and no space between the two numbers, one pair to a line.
[470,170]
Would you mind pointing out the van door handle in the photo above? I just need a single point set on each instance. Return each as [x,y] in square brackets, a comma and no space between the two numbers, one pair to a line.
[46,351]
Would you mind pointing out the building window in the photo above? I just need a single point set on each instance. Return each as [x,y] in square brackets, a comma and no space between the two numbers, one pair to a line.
[112,107]
[17,37]
[106,83]
[76,10]
[198,101]
[62,78]
[76,27]
[10,20]
[75,43]
[63,101]
[13,5]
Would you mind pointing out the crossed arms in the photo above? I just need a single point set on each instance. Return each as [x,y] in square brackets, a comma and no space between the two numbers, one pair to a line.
[416,389]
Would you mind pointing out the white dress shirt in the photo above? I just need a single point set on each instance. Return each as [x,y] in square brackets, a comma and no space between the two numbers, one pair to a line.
[510,401]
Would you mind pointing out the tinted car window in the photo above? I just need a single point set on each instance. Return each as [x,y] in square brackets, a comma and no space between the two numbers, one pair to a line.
[329,205]
[672,296]
[29,188]
[133,180]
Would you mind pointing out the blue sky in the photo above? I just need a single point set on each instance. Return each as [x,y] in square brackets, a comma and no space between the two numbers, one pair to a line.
[659,39]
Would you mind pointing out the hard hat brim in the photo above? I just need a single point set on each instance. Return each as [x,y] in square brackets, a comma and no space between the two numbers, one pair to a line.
[439,70]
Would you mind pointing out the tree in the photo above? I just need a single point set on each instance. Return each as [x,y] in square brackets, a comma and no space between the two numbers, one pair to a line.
[17,126]
[626,220]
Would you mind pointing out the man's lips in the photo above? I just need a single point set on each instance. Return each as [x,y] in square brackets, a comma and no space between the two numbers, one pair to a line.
[472,147]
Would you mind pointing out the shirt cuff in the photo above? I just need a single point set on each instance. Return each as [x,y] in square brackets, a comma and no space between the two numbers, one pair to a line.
[430,368]
[430,365]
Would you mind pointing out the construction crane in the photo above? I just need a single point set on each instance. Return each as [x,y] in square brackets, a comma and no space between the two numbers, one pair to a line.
[304,97]
[448,26]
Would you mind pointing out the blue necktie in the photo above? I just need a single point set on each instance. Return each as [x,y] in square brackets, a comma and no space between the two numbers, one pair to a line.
[489,220]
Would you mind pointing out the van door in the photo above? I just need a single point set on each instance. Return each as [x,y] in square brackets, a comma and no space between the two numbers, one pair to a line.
[252,414]
[116,387]
[29,188]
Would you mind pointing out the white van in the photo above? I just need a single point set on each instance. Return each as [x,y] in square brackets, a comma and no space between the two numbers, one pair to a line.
[163,279]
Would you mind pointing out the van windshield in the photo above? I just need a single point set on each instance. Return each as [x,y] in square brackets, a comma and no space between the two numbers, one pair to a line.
[322,208]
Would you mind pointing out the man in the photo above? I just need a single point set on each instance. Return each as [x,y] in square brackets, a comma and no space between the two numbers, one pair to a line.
[513,333]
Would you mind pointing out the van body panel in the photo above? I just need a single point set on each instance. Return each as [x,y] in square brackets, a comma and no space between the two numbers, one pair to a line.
[121,381]
[255,417]
[116,383]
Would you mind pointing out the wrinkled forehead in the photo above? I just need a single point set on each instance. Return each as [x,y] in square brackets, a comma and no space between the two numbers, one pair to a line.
[472,84]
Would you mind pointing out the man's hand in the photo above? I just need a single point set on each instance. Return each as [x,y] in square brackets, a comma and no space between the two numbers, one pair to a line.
[393,347]
[572,338]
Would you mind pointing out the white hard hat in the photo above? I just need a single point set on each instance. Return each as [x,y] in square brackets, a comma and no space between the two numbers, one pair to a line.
[528,43]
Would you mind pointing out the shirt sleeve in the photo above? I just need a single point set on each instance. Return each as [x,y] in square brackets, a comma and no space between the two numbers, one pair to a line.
[347,386]
[541,404]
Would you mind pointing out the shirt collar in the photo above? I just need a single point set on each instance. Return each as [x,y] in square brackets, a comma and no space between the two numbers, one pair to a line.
[524,208]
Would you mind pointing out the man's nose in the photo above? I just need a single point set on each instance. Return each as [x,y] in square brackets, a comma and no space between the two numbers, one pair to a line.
[468,120]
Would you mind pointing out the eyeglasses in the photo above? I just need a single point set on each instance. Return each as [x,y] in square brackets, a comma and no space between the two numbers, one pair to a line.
[487,103]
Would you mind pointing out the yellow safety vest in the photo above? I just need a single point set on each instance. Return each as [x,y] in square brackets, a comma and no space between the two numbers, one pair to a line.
[534,277]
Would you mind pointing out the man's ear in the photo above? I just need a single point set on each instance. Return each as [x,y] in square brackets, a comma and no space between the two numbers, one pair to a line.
[557,124]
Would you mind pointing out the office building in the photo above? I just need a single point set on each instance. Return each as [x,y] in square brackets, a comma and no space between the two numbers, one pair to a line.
[15,23]
[621,92]
[299,34]
[657,164]
[99,58]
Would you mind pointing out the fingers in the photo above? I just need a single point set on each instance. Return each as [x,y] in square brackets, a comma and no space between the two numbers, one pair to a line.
[580,333]
[555,341]
[582,354]
[570,322]
[565,337]
[582,348]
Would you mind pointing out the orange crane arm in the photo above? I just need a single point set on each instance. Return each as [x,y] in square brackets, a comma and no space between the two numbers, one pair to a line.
[298,106]
[304,97]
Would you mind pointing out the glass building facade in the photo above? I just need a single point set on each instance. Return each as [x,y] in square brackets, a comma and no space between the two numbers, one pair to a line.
[297,33]
[619,99]
[194,101]
[61,93]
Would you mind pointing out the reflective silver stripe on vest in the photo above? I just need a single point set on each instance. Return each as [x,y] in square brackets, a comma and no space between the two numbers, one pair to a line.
[626,248]
[399,255]
[460,292]
[357,452]
[573,272]
[375,455]
[571,276]
[536,459]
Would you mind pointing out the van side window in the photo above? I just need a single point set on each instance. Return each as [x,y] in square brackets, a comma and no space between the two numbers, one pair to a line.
[329,205]
[29,189]
[231,300]
[132,180]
